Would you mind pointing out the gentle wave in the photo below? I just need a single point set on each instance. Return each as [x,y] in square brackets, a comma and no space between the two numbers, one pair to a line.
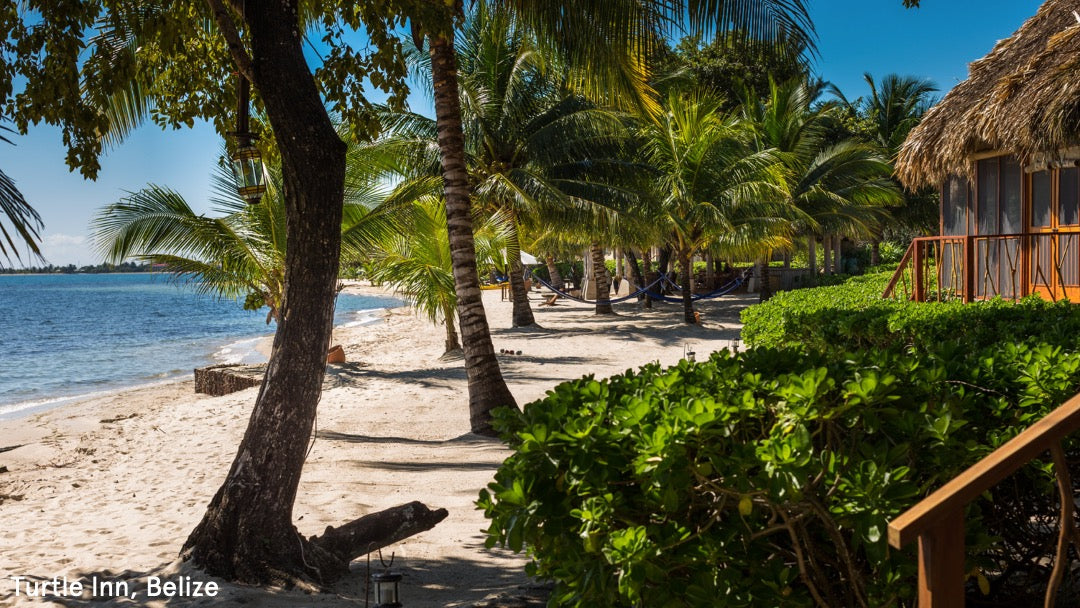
[26,408]
[72,336]
[241,352]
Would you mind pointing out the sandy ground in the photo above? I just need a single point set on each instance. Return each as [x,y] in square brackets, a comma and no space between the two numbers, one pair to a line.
[110,487]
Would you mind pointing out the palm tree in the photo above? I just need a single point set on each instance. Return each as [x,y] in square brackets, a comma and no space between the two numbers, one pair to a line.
[605,44]
[711,184]
[895,105]
[842,187]
[239,253]
[416,262]
[24,222]
[527,141]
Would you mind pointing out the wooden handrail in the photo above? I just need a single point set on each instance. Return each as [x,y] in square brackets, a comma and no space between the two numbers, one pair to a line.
[937,521]
[899,270]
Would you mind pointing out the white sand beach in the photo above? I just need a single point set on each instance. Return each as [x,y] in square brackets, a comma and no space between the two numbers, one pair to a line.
[110,487]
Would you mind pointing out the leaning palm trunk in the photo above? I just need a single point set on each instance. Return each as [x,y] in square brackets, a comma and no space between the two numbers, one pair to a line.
[603,281]
[553,272]
[247,532]
[635,272]
[523,314]
[687,291]
[487,388]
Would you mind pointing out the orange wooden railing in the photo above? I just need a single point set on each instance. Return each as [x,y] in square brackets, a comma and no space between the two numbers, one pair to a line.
[972,267]
[937,522]
[934,265]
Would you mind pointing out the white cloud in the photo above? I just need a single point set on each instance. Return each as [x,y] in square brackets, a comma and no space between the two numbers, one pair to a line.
[63,249]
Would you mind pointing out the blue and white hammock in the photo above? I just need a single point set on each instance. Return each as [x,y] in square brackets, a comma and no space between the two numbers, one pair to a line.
[647,290]
[716,293]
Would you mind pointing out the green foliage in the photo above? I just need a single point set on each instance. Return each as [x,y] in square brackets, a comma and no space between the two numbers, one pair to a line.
[853,315]
[763,477]
[99,68]
[728,67]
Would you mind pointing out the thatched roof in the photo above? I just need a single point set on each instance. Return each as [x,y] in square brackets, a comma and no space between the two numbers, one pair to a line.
[1022,98]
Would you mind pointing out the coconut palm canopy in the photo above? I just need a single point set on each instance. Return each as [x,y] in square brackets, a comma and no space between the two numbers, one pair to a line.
[1023,98]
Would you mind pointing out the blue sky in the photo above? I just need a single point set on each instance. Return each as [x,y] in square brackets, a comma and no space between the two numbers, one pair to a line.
[936,41]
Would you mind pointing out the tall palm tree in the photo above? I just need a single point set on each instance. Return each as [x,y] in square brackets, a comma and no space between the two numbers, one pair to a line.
[711,183]
[239,253]
[605,44]
[842,187]
[895,105]
[416,262]
[526,139]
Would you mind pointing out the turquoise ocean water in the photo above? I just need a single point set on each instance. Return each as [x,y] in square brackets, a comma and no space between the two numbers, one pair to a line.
[69,336]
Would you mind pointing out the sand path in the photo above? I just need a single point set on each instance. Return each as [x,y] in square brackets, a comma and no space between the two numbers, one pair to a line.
[110,487]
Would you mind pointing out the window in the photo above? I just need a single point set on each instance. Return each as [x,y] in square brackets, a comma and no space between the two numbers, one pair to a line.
[954,203]
[1040,199]
[1068,197]
[1012,185]
[986,216]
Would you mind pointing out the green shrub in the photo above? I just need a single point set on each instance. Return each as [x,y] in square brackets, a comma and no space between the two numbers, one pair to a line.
[765,477]
[853,316]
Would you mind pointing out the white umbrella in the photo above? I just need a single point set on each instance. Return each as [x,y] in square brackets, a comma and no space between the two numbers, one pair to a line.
[528,259]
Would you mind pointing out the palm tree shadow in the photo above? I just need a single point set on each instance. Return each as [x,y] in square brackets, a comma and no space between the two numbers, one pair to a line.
[494,578]
[354,373]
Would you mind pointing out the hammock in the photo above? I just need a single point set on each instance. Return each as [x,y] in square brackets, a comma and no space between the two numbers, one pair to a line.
[636,292]
[716,293]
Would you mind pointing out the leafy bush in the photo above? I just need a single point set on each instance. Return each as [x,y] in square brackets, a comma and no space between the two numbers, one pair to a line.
[765,478]
[853,315]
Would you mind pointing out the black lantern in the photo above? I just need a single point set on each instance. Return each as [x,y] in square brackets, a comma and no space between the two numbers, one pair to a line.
[386,589]
[246,161]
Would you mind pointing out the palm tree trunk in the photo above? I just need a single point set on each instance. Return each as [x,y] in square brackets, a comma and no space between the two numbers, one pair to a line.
[826,246]
[662,266]
[811,254]
[247,532]
[710,273]
[603,281]
[487,388]
[452,343]
[838,265]
[523,314]
[635,272]
[875,251]
[554,276]
[686,279]
[646,262]
[765,290]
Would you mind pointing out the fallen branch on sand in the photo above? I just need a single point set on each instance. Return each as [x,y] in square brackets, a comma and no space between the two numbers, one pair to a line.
[377,530]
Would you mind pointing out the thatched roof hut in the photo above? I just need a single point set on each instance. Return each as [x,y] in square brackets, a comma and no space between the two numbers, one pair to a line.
[1023,98]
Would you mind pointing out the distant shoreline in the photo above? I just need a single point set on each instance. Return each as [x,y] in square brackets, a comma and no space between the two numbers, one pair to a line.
[234,348]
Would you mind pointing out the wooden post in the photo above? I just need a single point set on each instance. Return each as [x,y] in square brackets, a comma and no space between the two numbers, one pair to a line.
[969,269]
[918,281]
[941,563]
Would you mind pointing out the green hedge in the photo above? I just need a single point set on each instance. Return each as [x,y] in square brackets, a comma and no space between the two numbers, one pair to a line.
[766,477]
[854,316]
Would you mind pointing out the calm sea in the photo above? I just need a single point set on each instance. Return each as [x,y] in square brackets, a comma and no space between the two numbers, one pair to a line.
[66,336]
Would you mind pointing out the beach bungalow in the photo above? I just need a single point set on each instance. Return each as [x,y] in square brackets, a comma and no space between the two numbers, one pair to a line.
[1004,148]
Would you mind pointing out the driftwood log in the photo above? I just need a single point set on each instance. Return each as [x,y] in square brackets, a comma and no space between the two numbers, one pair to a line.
[220,380]
[377,530]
